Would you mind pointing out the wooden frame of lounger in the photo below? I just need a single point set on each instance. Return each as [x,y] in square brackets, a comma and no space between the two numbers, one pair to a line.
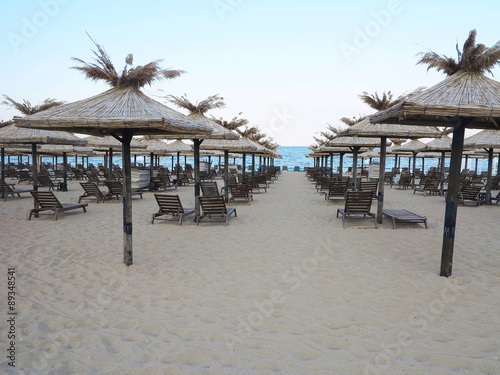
[47,201]
[431,186]
[170,205]
[215,207]
[404,216]
[116,189]
[7,189]
[357,206]
[91,190]
[240,192]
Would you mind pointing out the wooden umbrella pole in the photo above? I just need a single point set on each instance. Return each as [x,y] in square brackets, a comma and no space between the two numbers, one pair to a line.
[35,167]
[65,172]
[381,176]
[196,148]
[443,157]
[355,167]
[253,163]
[341,165]
[243,166]
[151,155]
[127,197]
[450,216]
[110,164]
[3,163]
[226,175]
[488,178]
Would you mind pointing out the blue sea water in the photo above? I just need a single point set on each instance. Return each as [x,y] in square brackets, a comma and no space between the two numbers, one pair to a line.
[296,156]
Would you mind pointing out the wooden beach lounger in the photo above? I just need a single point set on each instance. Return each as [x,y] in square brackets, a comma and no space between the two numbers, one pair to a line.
[240,192]
[404,216]
[357,206]
[47,201]
[92,191]
[6,189]
[116,189]
[215,207]
[171,205]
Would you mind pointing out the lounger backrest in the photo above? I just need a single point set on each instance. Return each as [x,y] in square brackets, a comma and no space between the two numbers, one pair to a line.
[213,206]
[4,187]
[46,199]
[115,187]
[209,188]
[91,188]
[239,191]
[337,187]
[358,202]
[169,204]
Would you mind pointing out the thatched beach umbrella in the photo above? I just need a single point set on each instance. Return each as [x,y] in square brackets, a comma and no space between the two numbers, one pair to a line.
[487,139]
[196,114]
[467,98]
[366,129]
[228,145]
[121,112]
[12,134]
[442,145]
[355,144]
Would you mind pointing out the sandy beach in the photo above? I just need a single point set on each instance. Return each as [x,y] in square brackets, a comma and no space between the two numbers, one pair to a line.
[282,289]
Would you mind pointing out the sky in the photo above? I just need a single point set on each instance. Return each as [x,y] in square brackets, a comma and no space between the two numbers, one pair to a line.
[290,67]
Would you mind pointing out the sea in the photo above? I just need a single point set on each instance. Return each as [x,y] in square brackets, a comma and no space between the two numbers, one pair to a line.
[292,156]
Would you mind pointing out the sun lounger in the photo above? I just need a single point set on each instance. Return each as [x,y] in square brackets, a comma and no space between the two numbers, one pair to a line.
[470,194]
[9,189]
[170,205]
[336,189]
[215,207]
[357,206]
[209,189]
[92,191]
[430,186]
[371,185]
[47,201]
[116,189]
[240,192]
[404,216]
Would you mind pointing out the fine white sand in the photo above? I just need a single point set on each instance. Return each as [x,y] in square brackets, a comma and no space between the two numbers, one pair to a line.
[282,289]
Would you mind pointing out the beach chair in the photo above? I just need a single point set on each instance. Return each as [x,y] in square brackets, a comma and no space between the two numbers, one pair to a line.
[45,181]
[296,168]
[470,194]
[404,181]
[240,192]
[47,201]
[209,189]
[91,190]
[9,189]
[336,189]
[371,185]
[161,182]
[214,207]
[496,198]
[25,176]
[170,205]
[404,216]
[357,206]
[116,189]
[430,186]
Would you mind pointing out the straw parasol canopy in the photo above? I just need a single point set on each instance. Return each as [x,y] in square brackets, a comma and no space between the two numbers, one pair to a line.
[466,98]
[122,112]
[366,129]
[464,94]
[112,112]
[11,134]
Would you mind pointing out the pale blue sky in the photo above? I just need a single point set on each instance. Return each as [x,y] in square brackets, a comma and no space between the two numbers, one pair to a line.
[290,66]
